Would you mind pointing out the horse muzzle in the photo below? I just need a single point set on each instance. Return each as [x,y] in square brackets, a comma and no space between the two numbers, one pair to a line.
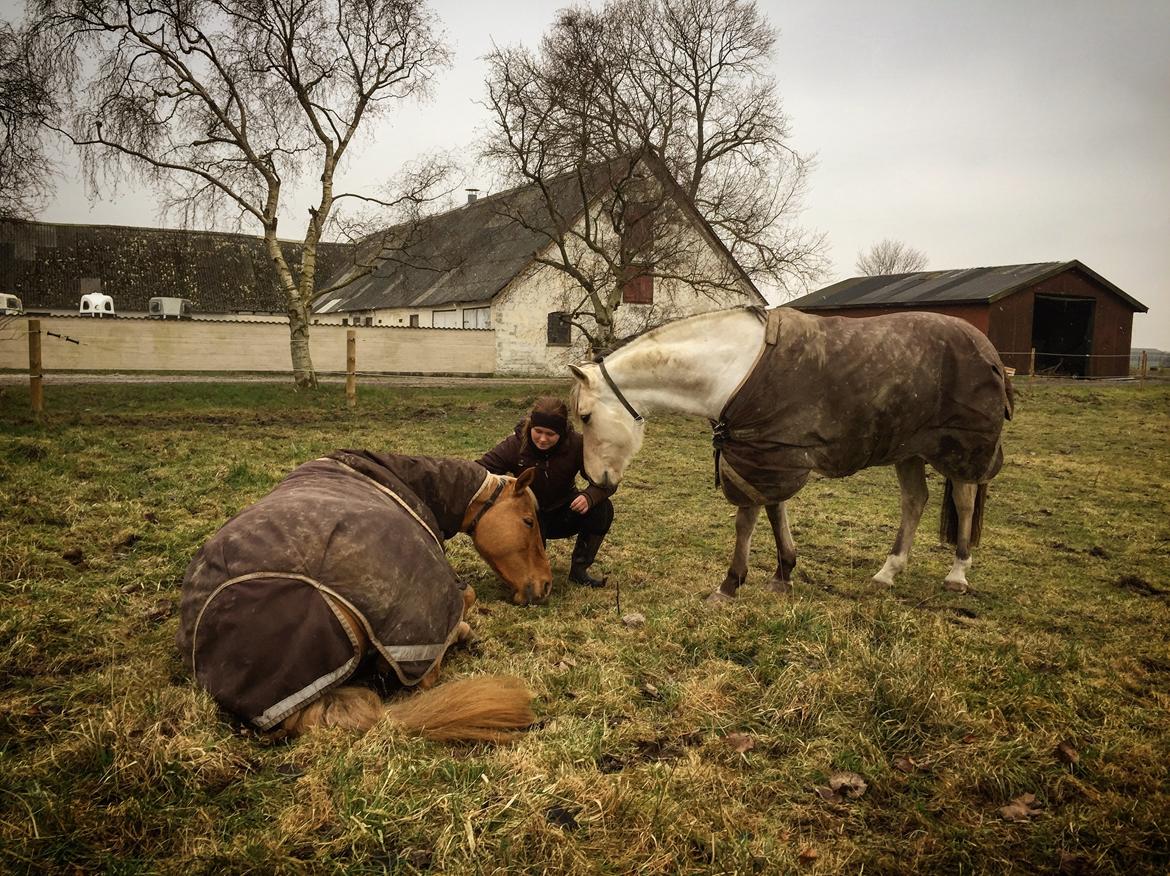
[534,593]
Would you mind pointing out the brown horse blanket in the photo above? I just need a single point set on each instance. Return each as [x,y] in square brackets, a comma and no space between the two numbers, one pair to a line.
[837,394]
[365,528]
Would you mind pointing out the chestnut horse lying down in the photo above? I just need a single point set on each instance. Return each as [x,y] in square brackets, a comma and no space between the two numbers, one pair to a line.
[343,564]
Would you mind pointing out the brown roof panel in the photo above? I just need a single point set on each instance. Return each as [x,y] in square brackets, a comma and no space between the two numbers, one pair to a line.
[942,287]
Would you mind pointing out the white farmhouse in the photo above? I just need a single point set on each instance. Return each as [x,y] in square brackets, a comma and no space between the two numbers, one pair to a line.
[483,266]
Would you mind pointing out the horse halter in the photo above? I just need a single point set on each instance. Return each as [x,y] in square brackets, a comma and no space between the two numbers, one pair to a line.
[491,500]
[629,407]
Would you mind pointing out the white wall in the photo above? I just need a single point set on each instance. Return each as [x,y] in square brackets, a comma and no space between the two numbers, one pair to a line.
[217,345]
[400,316]
[520,312]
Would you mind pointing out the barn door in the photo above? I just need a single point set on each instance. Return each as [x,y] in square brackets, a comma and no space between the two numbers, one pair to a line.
[1062,334]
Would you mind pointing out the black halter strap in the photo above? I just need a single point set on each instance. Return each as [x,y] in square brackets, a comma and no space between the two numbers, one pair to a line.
[629,407]
[486,505]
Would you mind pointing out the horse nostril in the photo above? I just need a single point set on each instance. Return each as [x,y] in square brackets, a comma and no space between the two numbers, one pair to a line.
[529,595]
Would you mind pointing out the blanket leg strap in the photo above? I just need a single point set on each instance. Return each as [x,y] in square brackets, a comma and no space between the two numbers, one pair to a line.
[733,477]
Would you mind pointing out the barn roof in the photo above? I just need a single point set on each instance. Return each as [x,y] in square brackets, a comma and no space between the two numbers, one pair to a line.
[966,286]
[470,254]
[48,265]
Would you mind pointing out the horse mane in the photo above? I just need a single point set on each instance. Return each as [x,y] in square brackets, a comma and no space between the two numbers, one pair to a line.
[758,311]
[489,484]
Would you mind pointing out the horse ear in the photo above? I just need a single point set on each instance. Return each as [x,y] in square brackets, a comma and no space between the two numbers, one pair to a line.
[578,373]
[525,480]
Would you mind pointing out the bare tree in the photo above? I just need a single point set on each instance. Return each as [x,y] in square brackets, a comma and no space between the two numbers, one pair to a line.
[26,101]
[890,257]
[672,99]
[221,103]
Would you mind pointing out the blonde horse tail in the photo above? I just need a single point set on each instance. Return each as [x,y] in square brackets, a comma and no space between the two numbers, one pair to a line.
[482,709]
[948,527]
[350,708]
[485,708]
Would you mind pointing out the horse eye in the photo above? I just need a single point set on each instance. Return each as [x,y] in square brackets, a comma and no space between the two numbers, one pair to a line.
[528,522]
[585,418]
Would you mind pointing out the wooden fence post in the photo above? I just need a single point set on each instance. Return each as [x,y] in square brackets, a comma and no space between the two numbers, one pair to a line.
[36,389]
[1032,363]
[350,368]
[1144,369]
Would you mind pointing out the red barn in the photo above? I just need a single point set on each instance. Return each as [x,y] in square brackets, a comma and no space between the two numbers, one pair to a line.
[1077,321]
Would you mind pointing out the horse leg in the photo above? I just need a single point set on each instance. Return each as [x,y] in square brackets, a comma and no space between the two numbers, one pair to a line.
[785,549]
[912,480]
[745,524]
[964,495]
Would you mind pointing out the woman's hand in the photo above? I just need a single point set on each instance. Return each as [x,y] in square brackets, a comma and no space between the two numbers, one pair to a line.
[580,504]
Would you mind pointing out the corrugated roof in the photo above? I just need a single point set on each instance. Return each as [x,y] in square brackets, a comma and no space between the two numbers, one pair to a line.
[45,263]
[464,255]
[468,255]
[967,286]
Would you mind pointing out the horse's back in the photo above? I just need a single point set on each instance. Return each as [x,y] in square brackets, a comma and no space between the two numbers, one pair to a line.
[838,394]
[256,596]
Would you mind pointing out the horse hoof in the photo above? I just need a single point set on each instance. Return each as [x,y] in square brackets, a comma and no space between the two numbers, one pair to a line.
[777,585]
[955,586]
[884,580]
[718,597]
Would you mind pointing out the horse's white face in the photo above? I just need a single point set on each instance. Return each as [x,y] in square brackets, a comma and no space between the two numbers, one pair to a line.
[612,436]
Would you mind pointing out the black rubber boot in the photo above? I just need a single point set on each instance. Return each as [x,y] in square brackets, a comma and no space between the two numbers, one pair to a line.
[584,553]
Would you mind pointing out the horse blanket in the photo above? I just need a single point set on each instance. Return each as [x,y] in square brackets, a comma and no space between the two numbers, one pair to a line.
[365,528]
[837,394]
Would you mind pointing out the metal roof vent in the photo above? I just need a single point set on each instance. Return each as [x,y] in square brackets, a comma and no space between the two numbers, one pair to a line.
[472,195]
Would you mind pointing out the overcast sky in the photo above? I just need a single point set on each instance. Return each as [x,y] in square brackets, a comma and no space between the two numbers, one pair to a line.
[982,133]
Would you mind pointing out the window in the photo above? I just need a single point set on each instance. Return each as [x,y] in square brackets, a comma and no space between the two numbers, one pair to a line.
[414,320]
[477,318]
[559,329]
[638,285]
[637,241]
[345,320]
[445,319]
[369,320]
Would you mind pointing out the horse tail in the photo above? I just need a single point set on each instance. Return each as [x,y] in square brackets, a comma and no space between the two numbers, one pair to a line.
[349,707]
[948,527]
[485,708]
[482,709]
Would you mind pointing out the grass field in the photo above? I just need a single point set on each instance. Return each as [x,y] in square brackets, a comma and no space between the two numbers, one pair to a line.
[703,741]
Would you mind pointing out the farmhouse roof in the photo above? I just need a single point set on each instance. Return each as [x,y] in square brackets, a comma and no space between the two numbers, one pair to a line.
[965,286]
[49,265]
[471,253]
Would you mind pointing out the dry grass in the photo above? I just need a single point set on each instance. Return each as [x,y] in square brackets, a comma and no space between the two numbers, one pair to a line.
[949,706]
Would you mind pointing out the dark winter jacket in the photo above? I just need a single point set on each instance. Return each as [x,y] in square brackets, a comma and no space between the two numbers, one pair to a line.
[556,468]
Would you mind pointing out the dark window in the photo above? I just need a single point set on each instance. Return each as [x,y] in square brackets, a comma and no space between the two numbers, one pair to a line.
[345,320]
[637,242]
[638,230]
[414,320]
[369,320]
[559,329]
[638,286]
